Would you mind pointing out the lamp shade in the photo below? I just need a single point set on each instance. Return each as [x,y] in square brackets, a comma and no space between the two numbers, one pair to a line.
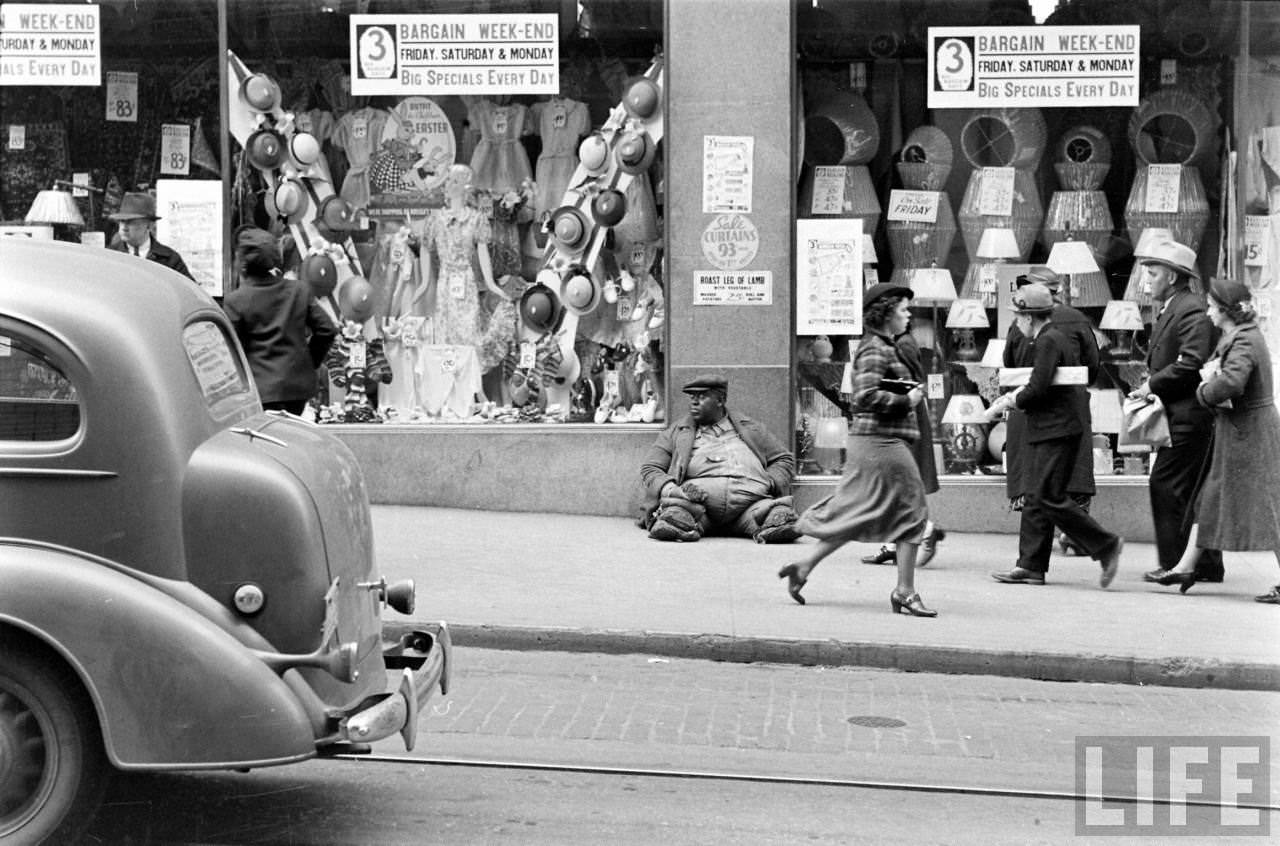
[964,409]
[998,243]
[1072,257]
[868,249]
[1122,315]
[931,285]
[993,356]
[53,206]
[967,314]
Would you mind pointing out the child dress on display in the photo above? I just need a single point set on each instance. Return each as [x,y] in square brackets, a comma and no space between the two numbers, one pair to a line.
[561,123]
[499,161]
[359,133]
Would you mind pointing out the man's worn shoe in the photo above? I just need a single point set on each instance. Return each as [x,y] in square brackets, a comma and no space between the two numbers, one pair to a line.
[664,531]
[1272,597]
[784,533]
[884,556]
[1019,576]
[929,546]
[1111,563]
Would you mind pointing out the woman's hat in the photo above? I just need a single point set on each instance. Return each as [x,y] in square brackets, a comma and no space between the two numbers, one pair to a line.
[635,152]
[265,149]
[885,289]
[609,207]
[579,291]
[1032,299]
[1173,255]
[320,273]
[136,206]
[1045,276]
[540,309]
[1229,293]
[570,227]
[593,154]
[257,251]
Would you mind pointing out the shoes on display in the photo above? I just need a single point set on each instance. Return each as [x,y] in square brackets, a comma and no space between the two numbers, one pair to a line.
[911,603]
[886,555]
[1019,576]
[795,584]
[1111,563]
[929,546]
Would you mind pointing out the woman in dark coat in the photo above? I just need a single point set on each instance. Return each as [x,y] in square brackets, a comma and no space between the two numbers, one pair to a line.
[1238,501]
[881,495]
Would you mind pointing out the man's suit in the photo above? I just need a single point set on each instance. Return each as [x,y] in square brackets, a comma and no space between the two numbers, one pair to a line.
[160,254]
[1182,338]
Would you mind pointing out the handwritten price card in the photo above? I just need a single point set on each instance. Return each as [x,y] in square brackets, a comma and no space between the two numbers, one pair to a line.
[996,196]
[175,149]
[122,96]
[1256,228]
[828,190]
[915,206]
[1163,183]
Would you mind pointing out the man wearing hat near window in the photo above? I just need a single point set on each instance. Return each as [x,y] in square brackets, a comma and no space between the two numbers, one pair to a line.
[713,471]
[1053,436]
[1182,338]
[137,217]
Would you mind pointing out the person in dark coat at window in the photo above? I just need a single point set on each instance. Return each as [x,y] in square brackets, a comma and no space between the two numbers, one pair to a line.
[137,219]
[1053,437]
[1182,337]
[282,328]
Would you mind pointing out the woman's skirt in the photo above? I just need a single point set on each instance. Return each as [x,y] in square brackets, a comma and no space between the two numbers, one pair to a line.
[879,498]
[1239,503]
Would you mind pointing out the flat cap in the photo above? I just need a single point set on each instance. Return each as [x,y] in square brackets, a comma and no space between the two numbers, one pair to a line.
[706,382]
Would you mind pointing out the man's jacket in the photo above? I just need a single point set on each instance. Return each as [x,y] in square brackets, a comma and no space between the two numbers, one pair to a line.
[1182,337]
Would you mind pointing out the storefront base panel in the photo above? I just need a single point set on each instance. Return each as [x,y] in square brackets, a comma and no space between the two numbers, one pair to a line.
[596,470]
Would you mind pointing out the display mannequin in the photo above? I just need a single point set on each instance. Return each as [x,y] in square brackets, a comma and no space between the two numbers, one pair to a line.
[396,270]
[500,163]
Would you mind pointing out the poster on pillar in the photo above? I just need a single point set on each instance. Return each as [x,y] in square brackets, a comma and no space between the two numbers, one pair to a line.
[829,276]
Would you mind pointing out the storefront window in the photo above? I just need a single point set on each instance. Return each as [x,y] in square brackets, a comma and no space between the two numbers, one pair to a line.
[478,201]
[1058,137]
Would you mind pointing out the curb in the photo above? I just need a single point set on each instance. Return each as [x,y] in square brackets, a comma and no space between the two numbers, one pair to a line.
[911,658]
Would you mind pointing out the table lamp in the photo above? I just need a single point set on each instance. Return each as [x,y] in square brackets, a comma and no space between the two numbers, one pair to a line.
[1086,284]
[997,246]
[964,430]
[54,206]
[964,316]
[1121,320]
[993,355]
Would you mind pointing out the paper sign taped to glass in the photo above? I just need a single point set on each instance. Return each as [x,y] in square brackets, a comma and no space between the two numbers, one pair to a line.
[1016,377]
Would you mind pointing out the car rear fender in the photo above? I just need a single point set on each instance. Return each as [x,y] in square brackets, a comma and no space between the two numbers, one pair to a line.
[171,688]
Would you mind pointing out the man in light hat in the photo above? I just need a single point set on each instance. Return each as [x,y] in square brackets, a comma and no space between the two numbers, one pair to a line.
[713,471]
[1053,437]
[137,218]
[1182,338]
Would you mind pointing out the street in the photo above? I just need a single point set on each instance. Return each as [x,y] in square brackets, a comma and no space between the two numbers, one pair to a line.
[873,733]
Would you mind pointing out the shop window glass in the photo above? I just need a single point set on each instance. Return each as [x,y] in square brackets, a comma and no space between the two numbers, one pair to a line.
[37,401]
[1082,182]
[491,243]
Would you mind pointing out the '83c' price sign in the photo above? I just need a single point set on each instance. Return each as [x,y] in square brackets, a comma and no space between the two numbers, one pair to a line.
[122,96]
[730,242]
[175,149]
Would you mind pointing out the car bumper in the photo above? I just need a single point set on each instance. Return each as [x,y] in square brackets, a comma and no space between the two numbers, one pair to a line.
[423,653]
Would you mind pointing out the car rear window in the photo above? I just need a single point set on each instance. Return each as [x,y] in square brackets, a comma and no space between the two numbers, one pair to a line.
[217,368]
[37,400]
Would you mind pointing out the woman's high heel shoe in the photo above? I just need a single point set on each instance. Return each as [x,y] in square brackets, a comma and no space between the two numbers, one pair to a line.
[913,604]
[794,583]
[1184,581]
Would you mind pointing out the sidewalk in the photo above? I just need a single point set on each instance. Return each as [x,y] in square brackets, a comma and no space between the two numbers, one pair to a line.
[508,580]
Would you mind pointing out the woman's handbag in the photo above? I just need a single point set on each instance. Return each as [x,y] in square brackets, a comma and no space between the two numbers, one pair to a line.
[1144,423]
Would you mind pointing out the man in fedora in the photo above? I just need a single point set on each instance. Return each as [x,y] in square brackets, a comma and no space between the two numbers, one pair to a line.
[137,217]
[1053,435]
[713,471]
[1182,338]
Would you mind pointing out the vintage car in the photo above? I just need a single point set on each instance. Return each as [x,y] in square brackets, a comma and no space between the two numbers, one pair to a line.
[186,581]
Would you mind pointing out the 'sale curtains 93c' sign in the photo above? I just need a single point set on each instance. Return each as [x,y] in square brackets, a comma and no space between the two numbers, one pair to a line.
[401,55]
[1023,66]
[56,44]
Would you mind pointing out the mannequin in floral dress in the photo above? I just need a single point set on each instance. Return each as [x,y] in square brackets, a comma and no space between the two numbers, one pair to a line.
[499,161]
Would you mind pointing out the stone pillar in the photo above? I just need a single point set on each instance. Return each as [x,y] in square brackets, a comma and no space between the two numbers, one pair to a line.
[730,72]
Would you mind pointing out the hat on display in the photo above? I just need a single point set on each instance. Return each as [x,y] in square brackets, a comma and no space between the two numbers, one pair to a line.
[706,382]
[579,291]
[609,207]
[885,289]
[1229,293]
[290,198]
[642,98]
[136,205]
[1171,254]
[570,227]
[1046,276]
[320,273]
[635,152]
[540,308]
[305,148]
[265,149]
[260,92]
[355,299]
[1033,298]
[593,154]
[334,213]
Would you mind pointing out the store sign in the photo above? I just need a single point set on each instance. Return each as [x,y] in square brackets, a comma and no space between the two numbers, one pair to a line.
[454,54]
[185,207]
[122,96]
[175,149]
[913,206]
[829,277]
[56,44]
[730,241]
[748,287]
[727,173]
[1043,66]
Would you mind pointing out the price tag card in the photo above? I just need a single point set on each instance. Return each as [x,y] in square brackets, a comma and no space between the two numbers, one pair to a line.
[122,96]
[528,354]
[1168,71]
[1163,183]
[448,360]
[934,386]
[1256,228]
[870,276]
[17,136]
[79,179]
[358,355]
[828,190]
[625,307]
[987,278]
[175,149]
[858,76]
[611,382]
[916,206]
[996,196]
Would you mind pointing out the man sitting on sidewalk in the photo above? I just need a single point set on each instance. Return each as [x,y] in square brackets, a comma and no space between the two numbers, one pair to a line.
[712,471]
